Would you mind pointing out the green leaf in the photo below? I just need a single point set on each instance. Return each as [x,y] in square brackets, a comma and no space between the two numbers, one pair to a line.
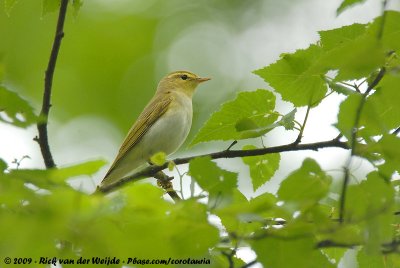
[347,115]
[390,34]
[344,234]
[262,168]
[244,216]
[14,110]
[1,68]
[3,165]
[372,201]
[158,158]
[367,260]
[248,115]
[305,186]
[388,148]
[218,182]
[381,111]
[247,128]
[49,6]
[355,59]
[219,260]
[48,177]
[245,124]
[274,252]
[370,196]
[297,77]
[171,165]
[210,177]
[379,114]
[392,260]
[347,4]
[334,254]
[198,235]
[77,5]
[353,50]
[331,39]
[339,88]
[287,121]
[184,228]
[86,168]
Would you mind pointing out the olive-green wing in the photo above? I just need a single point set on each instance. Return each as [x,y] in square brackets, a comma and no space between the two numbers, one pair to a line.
[157,107]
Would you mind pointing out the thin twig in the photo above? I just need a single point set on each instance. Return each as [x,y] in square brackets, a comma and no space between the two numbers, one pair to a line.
[232,144]
[344,190]
[353,142]
[165,182]
[386,248]
[230,256]
[300,136]
[180,181]
[333,244]
[48,81]
[382,26]
[151,170]
[391,247]
[396,131]
[249,264]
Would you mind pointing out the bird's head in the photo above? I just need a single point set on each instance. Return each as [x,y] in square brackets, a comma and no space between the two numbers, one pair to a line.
[183,81]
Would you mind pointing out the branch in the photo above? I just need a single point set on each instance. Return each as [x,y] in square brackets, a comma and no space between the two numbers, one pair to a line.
[333,244]
[230,256]
[386,248]
[247,265]
[382,26]
[396,131]
[300,136]
[353,141]
[391,247]
[48,81]
[165,182]
[151,170]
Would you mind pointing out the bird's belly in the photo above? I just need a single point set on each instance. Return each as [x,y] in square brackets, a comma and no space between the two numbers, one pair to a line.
[167,135]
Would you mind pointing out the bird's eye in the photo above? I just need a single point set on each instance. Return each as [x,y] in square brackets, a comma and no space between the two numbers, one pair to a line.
[184,77]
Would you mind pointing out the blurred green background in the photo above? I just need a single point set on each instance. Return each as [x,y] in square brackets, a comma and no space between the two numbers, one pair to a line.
[115,52]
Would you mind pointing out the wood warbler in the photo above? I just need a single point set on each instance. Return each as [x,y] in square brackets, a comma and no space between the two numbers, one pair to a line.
[162,126]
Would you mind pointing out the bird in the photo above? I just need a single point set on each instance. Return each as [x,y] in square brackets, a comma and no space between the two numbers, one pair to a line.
[163,125]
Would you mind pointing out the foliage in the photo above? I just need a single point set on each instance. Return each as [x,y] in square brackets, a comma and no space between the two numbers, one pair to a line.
[307,223]
[15,110]
[250,115]
[348,3]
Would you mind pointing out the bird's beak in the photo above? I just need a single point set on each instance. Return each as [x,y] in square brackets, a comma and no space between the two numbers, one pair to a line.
[202,79]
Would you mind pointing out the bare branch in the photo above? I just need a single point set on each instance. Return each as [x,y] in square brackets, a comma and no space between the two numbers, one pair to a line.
[151,170]
[48,81]
[165,182]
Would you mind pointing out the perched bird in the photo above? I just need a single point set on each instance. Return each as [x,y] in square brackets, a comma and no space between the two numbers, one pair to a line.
[162,126]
